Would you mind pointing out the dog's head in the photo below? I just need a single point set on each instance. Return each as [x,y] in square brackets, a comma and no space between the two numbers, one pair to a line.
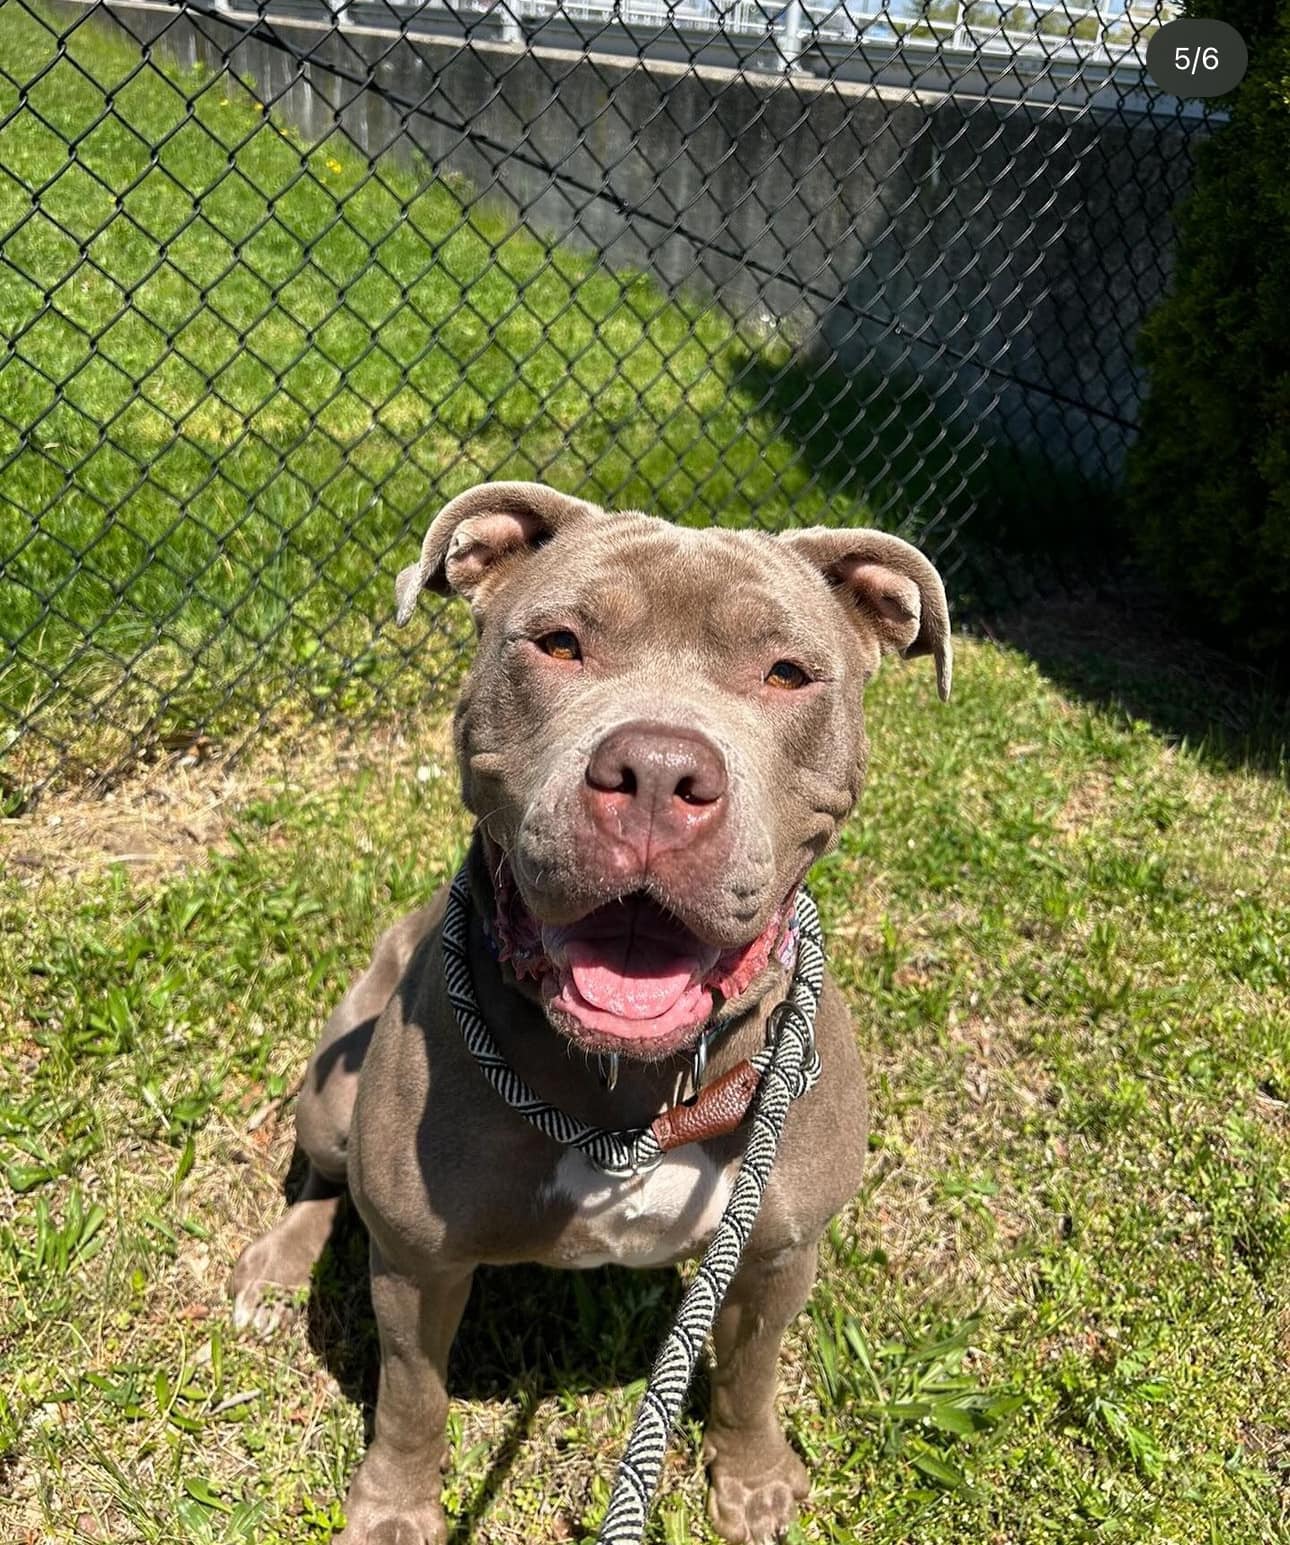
[661,731]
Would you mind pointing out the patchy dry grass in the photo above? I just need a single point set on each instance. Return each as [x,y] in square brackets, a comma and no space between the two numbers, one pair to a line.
[1057,1312]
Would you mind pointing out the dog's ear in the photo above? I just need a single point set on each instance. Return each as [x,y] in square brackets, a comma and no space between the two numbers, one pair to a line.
[471,538]
[896,591]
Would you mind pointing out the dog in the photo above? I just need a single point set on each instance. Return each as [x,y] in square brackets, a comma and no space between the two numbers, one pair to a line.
[661,731]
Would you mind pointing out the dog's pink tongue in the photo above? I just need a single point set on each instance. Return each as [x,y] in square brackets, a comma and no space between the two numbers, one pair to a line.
[639,979]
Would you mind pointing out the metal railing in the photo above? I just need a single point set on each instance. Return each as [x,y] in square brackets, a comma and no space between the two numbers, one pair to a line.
[1106,38]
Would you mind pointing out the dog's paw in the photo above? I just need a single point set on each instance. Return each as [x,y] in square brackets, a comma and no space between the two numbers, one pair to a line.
[752,1501]
[261,1309]
[371,1523]
[280,1263]
[264,1287]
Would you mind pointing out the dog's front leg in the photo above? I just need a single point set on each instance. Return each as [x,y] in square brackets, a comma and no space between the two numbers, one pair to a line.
[756,1478]
[394,1497]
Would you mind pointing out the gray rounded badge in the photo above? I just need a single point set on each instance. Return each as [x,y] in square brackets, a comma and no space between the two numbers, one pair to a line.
[1193,57]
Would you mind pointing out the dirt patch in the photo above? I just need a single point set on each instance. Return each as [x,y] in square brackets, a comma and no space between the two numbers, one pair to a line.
[1086,803]
[169,817]
[174,813]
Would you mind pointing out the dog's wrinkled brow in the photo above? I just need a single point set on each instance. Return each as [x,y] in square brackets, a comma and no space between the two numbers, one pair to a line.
[606,608]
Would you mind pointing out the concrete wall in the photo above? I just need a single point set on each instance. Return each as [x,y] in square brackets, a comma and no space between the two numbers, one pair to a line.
[936,233]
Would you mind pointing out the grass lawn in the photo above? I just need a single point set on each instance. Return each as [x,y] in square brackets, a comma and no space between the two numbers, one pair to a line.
[1056,1313]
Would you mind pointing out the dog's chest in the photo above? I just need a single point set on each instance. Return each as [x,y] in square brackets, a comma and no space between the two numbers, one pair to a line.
[646,1220]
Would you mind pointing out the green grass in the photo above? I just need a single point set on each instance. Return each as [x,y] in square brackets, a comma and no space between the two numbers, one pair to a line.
[1056,1313]
[245,370]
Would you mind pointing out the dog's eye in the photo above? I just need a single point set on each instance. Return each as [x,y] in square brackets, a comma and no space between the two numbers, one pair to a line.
[787,675]
[560,645]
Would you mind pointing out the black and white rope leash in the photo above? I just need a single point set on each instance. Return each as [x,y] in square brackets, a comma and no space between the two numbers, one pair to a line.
[789,1065]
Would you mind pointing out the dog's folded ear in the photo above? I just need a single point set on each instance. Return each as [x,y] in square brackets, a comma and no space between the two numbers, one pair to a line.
[475,536]
[897,592]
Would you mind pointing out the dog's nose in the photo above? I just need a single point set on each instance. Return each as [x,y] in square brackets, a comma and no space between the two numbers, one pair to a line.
[655,787]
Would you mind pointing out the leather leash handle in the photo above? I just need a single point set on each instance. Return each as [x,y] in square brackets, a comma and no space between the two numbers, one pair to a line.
[718,1108]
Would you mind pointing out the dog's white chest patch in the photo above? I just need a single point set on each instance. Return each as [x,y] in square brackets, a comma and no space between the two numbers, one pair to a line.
[646,1220]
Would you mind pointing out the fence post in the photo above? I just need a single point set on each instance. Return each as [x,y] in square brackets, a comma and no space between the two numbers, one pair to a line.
[790,45]
[512,32]
[959,37]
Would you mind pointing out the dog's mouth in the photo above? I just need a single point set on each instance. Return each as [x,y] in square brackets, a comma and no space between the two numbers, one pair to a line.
[629,977]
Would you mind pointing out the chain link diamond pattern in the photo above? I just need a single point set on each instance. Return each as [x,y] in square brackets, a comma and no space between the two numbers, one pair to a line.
[277,279]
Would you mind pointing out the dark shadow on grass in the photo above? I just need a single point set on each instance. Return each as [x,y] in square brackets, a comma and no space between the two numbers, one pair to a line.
[518,1431]
[1034,554]
[1120,645]
[527,1334]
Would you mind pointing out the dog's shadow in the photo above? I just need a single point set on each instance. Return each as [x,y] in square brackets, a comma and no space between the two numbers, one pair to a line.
[527,1333]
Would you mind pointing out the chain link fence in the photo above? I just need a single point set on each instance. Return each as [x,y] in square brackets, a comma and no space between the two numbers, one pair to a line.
[278,279]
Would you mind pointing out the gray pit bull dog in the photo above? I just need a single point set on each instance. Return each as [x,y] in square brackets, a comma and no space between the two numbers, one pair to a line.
[660,733]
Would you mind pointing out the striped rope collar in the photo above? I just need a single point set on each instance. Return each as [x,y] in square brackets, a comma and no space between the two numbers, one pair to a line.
[787,1067]
[634,1151]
